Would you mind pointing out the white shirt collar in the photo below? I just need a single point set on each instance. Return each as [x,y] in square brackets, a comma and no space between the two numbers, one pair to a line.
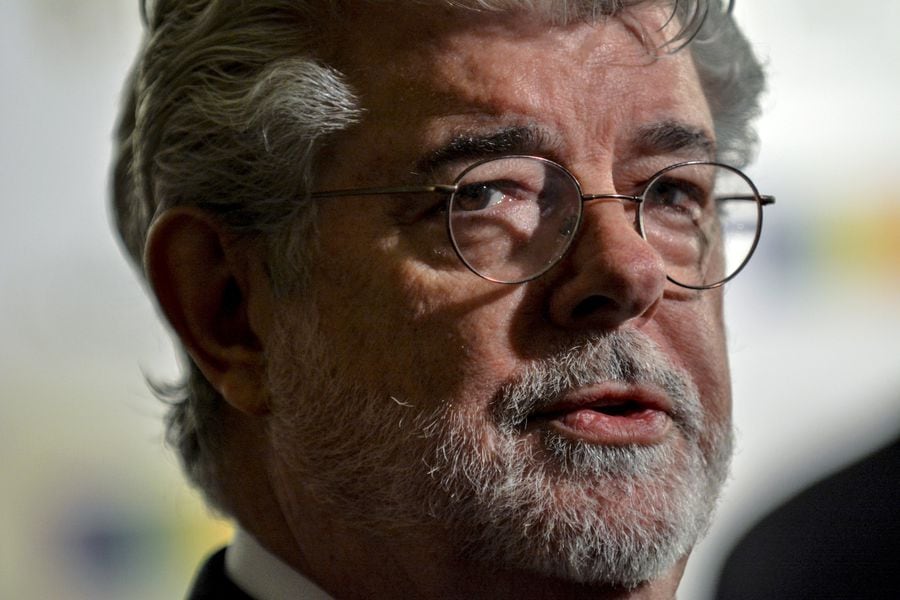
[263,575]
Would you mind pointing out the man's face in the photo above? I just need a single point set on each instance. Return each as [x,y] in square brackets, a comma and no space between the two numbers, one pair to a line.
[575,426]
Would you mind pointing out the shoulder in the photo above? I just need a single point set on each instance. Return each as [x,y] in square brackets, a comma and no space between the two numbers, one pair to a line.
[212,583]
[837,539]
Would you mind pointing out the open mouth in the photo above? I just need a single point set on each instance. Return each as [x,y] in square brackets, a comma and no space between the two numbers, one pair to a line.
[606,417]
[628,409]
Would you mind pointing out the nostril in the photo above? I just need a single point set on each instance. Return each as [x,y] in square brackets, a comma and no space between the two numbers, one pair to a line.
[591,305]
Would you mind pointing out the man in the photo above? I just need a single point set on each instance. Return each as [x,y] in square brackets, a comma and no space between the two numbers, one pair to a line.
[448,275]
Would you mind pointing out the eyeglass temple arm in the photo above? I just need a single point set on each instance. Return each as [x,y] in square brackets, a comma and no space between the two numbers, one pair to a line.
[763,199]
[415,189]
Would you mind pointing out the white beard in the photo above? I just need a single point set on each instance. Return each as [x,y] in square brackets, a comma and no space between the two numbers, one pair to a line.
[590,514]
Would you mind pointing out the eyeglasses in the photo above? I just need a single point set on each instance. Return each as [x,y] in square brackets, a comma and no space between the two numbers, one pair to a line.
[511,219]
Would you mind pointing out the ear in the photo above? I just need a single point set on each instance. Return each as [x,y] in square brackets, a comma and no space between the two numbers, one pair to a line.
[205,286]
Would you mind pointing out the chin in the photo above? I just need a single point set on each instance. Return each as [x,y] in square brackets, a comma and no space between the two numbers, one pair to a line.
[611,516]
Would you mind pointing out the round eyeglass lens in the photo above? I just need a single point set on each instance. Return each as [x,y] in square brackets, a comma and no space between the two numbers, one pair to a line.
[513,218]
[703,219]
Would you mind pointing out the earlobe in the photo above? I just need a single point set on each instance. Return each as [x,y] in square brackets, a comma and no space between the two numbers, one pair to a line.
[204,287]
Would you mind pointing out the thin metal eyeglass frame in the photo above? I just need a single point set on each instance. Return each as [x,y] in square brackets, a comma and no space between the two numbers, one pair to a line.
[451,189]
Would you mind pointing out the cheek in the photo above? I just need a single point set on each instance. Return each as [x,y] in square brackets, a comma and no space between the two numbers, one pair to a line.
[460,325]
[406,330]
[695,331]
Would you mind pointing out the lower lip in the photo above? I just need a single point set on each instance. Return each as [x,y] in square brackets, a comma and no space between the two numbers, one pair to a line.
[642,427]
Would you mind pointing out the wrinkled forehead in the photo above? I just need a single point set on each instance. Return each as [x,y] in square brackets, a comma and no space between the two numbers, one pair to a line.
[374,28]
[424,76]
[404,51]
[414,45]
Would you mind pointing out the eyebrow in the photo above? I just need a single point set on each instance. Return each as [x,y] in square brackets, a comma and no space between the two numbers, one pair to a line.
[672,137]
[665,137]
[470,146]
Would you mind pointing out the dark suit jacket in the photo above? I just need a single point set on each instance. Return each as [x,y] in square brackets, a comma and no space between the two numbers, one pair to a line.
[211,582]
[839,539]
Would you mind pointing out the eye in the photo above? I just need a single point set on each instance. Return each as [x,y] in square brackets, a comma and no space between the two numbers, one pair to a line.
[677,195]
[485,195]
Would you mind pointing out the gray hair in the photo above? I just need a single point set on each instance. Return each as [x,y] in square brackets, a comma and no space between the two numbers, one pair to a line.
[229,103]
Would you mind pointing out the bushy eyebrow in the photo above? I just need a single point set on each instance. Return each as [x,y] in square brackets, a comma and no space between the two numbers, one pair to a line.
[474,146]
[672,137]
[665,137]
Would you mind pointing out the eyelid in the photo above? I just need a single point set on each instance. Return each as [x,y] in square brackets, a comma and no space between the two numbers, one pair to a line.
[635,177]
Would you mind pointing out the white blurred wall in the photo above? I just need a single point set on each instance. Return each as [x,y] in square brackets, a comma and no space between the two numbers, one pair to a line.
[814,323]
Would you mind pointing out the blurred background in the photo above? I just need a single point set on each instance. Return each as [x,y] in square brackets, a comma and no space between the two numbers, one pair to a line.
[92,504]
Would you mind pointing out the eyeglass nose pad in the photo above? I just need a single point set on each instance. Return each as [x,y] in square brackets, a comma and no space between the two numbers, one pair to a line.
[569,225]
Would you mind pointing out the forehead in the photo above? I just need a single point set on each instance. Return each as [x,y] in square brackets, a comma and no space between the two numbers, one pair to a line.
[423,76]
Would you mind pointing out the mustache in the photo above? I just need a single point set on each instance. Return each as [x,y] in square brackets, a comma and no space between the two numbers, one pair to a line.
[619,356]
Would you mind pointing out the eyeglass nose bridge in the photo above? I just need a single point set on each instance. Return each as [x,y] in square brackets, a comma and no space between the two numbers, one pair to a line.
[591,197]
[572,227]
[622,198]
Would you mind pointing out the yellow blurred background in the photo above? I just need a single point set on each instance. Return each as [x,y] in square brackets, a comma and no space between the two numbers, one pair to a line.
[92,503]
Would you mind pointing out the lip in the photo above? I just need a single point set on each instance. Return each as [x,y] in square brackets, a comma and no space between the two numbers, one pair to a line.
[609,414]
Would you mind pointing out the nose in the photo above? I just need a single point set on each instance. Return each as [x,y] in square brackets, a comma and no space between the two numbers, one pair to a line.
[612,275]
